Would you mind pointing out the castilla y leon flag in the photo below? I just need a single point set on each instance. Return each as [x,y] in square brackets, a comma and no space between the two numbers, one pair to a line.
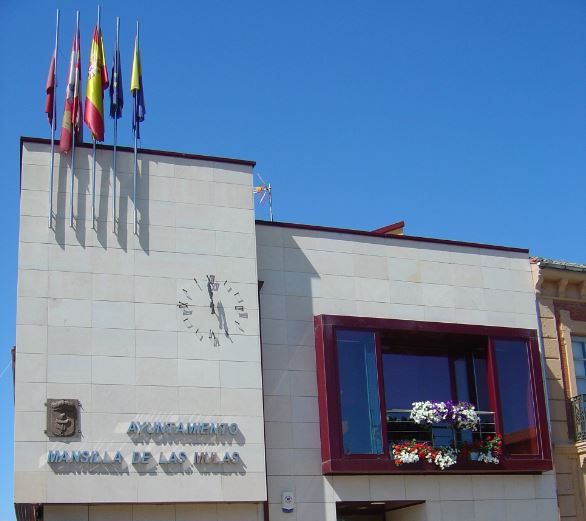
[97,82]
[50,88]
[138,108]
[72,112]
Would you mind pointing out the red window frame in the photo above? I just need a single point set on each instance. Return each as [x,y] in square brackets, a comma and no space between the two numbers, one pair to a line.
[334,461]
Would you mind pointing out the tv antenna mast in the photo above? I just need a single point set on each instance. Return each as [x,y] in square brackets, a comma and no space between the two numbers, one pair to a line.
[265,192]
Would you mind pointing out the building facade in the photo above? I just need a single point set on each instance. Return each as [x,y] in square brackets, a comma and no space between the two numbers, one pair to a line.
[561,292]
[213,367]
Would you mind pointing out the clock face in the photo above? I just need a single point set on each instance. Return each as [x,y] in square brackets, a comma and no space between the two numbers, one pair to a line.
[212,309]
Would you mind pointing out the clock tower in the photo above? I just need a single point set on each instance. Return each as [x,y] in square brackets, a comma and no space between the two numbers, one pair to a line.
[138,370]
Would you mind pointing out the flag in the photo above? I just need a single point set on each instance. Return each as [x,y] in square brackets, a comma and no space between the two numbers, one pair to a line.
[72,113]
[116,93]
[97,82]
[50,88]
[138,108]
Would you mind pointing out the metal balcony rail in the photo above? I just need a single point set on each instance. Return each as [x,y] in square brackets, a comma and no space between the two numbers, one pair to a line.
[579,412]
[401,428]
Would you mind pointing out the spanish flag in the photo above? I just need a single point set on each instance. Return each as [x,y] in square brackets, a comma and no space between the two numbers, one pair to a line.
[97,83]
[138,107]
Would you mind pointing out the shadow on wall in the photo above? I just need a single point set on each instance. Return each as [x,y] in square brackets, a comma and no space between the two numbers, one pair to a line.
[82,225]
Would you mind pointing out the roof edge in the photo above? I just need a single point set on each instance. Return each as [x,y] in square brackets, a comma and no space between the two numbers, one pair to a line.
[166,153]
[390,228]
[413,238]
[559,265]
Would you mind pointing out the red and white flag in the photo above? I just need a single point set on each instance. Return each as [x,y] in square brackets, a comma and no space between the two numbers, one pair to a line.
[72,114]
[50,88]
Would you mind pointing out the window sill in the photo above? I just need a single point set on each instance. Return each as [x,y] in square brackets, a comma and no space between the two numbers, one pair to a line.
[357,465]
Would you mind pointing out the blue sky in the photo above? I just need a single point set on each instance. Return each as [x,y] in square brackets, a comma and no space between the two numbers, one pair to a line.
[465,119]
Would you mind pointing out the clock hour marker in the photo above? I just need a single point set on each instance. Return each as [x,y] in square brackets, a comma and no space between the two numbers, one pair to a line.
[243,315]
[188,323]
[187,295]
[184,306]
[239,308]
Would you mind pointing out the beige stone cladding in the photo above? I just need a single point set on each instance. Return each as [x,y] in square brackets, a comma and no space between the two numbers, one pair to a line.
[98,321]
[561,294]
[310,272]
[178,512]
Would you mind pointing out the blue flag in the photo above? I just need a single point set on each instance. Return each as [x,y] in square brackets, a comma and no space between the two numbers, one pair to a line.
[116,92]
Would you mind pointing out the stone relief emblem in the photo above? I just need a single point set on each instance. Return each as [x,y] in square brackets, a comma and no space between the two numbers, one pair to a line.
[62,418]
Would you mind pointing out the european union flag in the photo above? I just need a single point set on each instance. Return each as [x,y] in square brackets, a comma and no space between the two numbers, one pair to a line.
[116,92]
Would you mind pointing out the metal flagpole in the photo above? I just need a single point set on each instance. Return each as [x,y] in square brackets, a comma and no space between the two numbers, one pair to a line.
[73,130]
[134,184]
[270,202]
[94,185]
[115,87]
[135,145]
[94,161]
[54,121]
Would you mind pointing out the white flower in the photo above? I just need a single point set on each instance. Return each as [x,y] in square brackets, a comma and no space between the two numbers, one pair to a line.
[446,458]
[428,412]
[488,458]
[406,456]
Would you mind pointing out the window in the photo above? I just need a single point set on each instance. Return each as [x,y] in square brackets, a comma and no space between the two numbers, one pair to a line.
[579,353]
[513,374]
[370,371]
[436,367]
[359,399]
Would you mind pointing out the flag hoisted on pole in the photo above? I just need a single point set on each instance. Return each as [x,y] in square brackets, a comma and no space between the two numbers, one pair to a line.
[138,111]
[71,127]
[97,82]
[51,110]
[116,104]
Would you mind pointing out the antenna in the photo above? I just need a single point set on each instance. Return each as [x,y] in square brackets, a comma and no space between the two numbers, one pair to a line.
[265,192]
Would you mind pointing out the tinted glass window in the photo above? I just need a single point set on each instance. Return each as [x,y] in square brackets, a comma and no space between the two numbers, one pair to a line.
[517,409]
[415,377]
[359,392]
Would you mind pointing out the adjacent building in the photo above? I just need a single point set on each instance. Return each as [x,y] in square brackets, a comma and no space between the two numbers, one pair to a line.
[213,367]
[561,293]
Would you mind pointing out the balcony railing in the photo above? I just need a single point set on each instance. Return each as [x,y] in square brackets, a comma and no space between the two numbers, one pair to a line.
[579,410]
[401,428]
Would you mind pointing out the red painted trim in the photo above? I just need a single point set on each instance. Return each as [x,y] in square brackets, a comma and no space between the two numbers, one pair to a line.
[324,375]
[379,466]
[539,393]
[165,153]
[390,228]
[381,395]
[334,461]
[493,393]
[364,233]
[430,327]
